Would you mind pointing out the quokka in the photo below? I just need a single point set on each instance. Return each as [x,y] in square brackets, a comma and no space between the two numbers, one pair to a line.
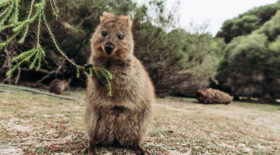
[122,119]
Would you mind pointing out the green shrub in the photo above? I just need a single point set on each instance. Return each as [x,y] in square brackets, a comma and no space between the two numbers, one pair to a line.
[252,63]
[248,22]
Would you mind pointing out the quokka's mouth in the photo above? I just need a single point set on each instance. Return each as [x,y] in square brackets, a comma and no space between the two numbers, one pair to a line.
[109,53]
[109,48]
[115,52]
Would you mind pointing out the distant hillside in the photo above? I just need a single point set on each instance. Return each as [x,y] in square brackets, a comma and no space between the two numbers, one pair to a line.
[246,23]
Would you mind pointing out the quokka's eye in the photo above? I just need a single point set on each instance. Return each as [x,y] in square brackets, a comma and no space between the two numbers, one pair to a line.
[104,33]
[120,37]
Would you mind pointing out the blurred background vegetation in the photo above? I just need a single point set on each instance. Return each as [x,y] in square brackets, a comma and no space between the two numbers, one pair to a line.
[251,66]
[243,59]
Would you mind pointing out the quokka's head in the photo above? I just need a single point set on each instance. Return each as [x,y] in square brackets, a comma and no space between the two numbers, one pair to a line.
[112,37]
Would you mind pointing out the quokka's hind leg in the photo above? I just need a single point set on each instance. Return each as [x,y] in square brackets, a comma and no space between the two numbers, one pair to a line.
[91,148]
[139,150]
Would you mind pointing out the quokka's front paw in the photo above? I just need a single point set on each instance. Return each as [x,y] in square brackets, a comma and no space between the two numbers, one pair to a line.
[102,81]
[89,151]
[139,150]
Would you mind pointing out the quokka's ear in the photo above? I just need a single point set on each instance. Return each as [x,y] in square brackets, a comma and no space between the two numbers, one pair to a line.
[126,20]
[106,16]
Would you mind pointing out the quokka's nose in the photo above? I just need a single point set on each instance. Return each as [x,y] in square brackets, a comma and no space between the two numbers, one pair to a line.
[109,48]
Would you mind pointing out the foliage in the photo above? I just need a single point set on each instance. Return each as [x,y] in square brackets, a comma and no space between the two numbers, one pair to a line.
[178,62]
[10,20]
[246,23]
[251,66]
[22,26]
[271,28]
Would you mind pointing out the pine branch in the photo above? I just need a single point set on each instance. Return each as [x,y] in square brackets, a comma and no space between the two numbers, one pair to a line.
[57,46]
[9,20]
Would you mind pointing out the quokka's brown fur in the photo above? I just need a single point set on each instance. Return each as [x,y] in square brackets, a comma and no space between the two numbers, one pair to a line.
[57,86]
[123,118]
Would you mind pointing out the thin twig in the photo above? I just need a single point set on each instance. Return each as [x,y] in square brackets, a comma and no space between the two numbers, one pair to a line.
[46,76]
[9,64]
[84,19]
[56,9]
[18,75]
[38,31]
[31,9]
[57,46]
[3,12]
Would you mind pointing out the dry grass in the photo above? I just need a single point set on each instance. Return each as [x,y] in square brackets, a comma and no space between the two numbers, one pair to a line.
[38,124]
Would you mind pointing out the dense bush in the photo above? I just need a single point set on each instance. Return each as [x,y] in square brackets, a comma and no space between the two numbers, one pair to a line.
[184,62]
[246,23]
[252,63]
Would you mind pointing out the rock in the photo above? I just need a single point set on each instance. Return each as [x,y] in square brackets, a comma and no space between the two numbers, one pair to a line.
[213,96]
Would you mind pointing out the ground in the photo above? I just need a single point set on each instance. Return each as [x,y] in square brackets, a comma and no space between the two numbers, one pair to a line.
[39,124]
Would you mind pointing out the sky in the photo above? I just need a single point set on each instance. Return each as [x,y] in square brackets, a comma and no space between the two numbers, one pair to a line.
[213,12]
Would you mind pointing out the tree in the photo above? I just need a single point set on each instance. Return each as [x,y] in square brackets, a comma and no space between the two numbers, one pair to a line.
[10,21]
[248,22]
[251,66]
[180,63]
[177,61]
